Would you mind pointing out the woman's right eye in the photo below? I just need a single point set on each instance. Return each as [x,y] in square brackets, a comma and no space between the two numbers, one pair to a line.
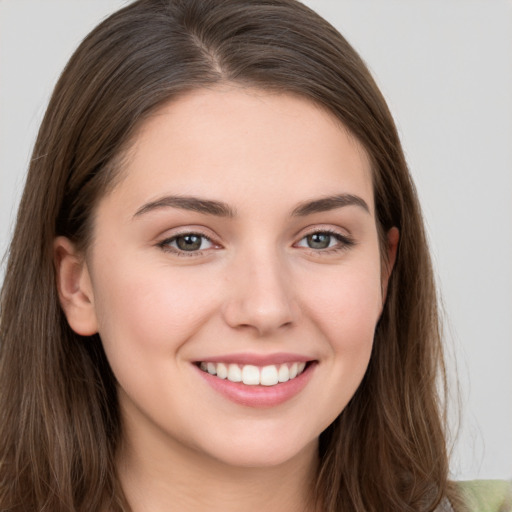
[187,243]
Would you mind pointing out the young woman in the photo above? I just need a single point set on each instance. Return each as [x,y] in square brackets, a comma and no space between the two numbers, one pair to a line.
[219,294]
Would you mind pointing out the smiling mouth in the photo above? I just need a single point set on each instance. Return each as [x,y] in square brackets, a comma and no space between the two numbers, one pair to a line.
[252,375]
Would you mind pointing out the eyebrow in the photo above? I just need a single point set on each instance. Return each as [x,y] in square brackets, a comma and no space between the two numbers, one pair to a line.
[195,204]
[329,203]
[220,209]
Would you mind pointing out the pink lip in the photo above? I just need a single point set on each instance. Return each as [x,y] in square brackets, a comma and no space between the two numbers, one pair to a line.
[258,359]
[259,396]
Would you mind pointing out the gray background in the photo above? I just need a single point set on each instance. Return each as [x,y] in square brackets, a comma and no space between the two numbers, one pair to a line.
[446,70]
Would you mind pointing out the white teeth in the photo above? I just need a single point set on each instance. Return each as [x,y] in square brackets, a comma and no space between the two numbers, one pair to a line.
[251,375]
[222,371]
[234,373]
[284,373]
[269,376]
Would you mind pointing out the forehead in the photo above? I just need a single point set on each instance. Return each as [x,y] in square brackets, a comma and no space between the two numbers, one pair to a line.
[233,142]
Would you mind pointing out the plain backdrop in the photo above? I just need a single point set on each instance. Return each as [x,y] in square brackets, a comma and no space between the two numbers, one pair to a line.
[446,71]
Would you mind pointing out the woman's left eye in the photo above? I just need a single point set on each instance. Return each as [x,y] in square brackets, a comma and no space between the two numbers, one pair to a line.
[187,242]
[322,240]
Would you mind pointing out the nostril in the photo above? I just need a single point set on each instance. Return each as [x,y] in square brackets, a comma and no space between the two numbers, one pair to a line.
[263,304]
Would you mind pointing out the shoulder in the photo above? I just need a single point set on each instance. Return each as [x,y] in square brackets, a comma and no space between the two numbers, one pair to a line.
[487,495]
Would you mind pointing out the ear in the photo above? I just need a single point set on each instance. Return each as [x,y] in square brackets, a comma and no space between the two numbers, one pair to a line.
[392,237]
[74,287]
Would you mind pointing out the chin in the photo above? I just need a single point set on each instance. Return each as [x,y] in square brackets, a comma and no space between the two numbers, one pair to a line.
[258,452]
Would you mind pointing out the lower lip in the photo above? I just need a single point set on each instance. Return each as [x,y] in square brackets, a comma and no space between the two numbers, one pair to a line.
[259,396]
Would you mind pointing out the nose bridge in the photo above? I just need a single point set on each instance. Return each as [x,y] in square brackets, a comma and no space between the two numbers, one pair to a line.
[262,294]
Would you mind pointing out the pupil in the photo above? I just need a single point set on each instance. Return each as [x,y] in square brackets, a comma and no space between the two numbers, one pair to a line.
[189,242]
[319,241]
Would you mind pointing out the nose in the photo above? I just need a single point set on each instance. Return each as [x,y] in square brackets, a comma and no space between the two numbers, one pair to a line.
[260,297]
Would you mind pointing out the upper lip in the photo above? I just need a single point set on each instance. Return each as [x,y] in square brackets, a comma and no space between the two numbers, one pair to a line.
[257,359]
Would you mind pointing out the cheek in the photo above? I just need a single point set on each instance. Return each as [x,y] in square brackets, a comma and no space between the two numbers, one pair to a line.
[150,311]
[342,309]
[347,306]
[145,318]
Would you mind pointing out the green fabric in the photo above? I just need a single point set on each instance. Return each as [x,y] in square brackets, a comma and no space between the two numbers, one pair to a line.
[487,495]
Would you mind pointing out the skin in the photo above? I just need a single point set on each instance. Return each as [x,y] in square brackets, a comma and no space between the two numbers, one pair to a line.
[256,287]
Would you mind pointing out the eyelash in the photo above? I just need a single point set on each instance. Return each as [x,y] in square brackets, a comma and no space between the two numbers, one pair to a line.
[165,244]
[344,243]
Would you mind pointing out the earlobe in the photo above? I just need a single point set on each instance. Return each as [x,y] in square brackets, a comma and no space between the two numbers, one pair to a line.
[74,287]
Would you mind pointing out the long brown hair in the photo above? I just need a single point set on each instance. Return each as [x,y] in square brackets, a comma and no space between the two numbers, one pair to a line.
[59,421]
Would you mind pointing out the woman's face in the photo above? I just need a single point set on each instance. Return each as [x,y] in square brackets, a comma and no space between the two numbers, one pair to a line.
[241,240]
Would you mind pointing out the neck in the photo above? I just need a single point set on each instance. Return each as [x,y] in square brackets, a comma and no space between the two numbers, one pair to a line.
[177,478]
[199,484]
